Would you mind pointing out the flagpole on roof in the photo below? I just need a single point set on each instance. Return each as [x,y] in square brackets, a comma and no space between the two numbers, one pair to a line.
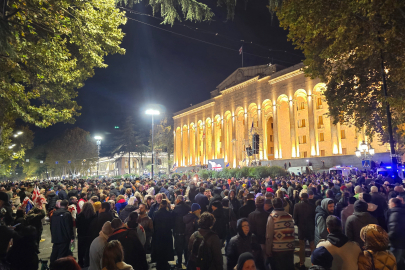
[242,55]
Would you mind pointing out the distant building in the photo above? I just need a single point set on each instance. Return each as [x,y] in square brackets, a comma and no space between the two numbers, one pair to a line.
[270,114]
[118,165]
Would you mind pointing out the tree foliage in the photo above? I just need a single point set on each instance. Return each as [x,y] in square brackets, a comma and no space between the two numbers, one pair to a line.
[163,137]
[344,43]
[74,145]
[48,48]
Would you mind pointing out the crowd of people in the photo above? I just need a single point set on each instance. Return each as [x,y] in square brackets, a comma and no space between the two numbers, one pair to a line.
[353,223]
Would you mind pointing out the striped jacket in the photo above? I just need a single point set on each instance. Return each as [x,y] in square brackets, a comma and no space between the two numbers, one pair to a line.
[279,232]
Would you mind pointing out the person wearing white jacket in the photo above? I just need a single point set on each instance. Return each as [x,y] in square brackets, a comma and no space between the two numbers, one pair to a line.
[345,253]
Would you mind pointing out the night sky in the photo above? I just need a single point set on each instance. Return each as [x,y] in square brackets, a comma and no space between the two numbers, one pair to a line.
[171,70]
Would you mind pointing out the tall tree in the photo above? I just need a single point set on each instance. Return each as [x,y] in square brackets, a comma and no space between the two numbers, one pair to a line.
[47,50]
[163,137]
[130,139]
[353,46]
[73,152]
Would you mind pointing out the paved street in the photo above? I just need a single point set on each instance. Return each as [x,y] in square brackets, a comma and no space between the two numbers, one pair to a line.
[45,248]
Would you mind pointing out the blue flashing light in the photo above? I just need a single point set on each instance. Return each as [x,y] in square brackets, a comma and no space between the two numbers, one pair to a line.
[388,167]
[393,176]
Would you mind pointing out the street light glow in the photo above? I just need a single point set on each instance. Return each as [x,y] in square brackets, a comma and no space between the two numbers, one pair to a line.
[11,146]
[98,137]
[19,132]
[152,112]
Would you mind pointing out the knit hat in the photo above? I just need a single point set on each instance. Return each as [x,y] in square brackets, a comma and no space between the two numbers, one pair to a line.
[304,186]
[250,196]
[269,189]
[322,257]
[243,258]
[195,207]
[360,206]
[107,229]
[342,187]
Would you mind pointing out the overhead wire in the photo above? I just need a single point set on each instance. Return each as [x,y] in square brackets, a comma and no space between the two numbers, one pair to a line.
[212,33]
[207,42]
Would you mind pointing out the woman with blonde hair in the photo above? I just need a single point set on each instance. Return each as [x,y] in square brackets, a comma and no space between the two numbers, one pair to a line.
[375,255]
[121,203]
[113,257]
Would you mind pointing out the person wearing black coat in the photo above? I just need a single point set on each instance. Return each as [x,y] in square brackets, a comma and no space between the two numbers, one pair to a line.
[243,242]
[216,198]
[62,193]
[34,218]
[191,221]
[396,232]
[202,200]
[258,221]
[104,215]
[304,218]
[162,240]
[220,222]
[73,193]
[180,210]
[6,213]
[134,253]
[24,252]
[83,221]
[21,194]
[51,199]
[249,207]
[61,232]
[234,202]
[128,209]
[192,192]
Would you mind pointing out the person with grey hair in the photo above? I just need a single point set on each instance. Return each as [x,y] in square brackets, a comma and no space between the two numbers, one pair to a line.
[130,207]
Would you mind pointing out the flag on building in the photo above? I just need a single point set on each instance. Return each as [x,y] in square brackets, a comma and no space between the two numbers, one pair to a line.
[227,165]
[174,168]
[241,50]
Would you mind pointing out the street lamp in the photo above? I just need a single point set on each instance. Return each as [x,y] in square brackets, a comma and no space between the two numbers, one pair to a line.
[153,113]
[98,139]
[365,151]
[18,134]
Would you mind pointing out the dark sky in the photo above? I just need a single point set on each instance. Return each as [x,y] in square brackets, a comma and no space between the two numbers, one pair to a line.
[171,70]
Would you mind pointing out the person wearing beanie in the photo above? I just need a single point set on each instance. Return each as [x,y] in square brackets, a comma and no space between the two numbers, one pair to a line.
[345,253]
[258,221]
[321,259]
[360,218]
[249,207]
[97,246]
[234,202]
[246,261]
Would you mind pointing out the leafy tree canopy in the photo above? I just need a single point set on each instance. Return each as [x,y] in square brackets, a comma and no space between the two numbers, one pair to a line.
[343,43]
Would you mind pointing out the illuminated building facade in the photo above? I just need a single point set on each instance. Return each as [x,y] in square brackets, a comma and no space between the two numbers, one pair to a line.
[286,109]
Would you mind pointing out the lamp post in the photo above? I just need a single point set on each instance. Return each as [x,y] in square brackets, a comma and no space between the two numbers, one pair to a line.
[153,113]
[98,140]
[365,151]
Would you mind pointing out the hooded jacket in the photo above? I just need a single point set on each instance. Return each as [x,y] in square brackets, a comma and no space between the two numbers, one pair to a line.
[128,209]
[61,226]
[320,220]
[239,244]
[345,253]
[357,221]
[52,198]
[248,208]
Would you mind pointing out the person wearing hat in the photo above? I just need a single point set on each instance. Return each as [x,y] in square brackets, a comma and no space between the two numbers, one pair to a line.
[249,207]
[246,261]
[97,246]
[360,218]
[258,221]
[6,213]
[321,259]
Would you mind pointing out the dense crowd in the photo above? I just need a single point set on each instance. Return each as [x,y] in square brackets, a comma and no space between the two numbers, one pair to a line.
[352,223]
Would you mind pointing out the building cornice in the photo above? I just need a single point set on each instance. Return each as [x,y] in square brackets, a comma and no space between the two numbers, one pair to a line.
[205,106]
[286,76]
[240,85]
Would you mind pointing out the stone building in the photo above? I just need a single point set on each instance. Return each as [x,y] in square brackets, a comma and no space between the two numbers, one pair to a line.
[281,109]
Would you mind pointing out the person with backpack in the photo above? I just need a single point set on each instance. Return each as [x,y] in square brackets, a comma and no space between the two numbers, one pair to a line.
[204,247]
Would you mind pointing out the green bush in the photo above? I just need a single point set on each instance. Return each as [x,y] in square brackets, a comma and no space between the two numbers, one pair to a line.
[174,175]
[276,171]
